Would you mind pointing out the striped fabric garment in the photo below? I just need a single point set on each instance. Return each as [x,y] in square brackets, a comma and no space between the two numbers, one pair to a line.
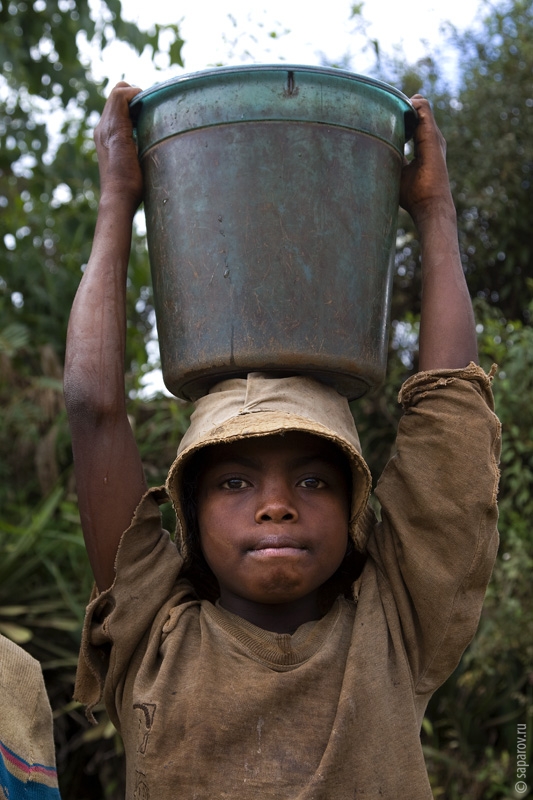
[20,780]
[27,756]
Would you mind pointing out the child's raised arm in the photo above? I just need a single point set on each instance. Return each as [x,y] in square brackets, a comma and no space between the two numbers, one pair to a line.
[109,474]
[447,328]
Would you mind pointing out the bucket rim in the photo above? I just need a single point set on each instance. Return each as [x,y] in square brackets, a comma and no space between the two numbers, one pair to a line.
[192,77]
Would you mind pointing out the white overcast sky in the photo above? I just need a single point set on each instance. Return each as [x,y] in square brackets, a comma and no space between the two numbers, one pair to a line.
[307,32]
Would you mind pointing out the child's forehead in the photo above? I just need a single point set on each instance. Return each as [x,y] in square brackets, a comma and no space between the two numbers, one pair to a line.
[294,445]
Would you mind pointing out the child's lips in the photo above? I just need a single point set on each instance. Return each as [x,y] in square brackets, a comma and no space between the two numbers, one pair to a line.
[277,545]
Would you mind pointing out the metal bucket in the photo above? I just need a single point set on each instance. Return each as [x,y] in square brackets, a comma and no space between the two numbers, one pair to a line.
[271,201]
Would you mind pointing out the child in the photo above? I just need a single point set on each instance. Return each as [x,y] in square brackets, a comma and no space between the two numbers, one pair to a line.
[289,644]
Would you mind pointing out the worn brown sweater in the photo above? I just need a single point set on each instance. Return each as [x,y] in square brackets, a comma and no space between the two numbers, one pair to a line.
[210,706]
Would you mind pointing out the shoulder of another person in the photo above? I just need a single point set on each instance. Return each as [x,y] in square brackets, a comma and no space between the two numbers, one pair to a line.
[14,660]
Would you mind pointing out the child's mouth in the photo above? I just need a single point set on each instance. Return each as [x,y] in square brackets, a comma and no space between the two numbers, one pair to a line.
[280,545]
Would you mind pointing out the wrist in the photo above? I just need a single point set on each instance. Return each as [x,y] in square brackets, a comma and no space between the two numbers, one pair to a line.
[119,203]
[113,232]
[436,210]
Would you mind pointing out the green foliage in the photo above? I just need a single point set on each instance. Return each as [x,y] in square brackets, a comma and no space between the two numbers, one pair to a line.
[40,551]
[488,125]
[48,171]
[491,137]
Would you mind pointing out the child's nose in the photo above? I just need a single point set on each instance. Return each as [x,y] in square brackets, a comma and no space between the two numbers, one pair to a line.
[276,505]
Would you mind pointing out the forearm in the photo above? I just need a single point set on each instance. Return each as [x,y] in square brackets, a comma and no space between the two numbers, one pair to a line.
[108,467]
[109,475]
[94,377]
[447,327]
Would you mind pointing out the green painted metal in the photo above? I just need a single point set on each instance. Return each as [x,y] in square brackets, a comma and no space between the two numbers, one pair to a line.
[271,201]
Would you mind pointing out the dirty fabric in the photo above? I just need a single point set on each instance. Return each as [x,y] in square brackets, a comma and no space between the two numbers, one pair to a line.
[210,706]
[27,757]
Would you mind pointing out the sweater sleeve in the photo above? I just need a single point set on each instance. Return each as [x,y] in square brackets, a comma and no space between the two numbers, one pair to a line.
[436,544]
[119,619]
[27,755]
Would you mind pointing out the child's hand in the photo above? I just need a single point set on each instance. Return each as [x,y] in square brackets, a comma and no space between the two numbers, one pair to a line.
[120,173]
[425,187]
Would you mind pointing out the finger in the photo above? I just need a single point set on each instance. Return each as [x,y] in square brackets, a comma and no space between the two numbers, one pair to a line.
[419,101]
[122,92]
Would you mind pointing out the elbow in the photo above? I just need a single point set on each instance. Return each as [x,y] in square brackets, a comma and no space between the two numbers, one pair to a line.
[90,400]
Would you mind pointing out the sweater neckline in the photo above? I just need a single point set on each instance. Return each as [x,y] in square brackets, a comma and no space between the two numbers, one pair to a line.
[277,650]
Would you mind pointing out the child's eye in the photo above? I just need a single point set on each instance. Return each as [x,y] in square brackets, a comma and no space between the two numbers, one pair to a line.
[234,483]
[312,483]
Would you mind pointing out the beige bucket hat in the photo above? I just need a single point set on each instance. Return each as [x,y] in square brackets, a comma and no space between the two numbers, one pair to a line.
[262,405]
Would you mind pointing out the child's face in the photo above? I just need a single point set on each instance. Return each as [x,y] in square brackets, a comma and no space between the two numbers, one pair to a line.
[273,517]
